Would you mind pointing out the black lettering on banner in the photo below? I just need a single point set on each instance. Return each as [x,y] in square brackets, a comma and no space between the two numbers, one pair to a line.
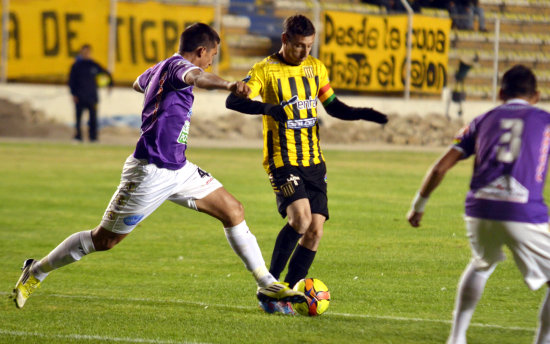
[351,42]
[349,36]
[392,38]
[425,73]
[429,40]
[386,72]
[355,71]
[171,37]
[150,58]
[440,42]
[132,39]
[71,34]
[119,22]
[50,24]
[13,33]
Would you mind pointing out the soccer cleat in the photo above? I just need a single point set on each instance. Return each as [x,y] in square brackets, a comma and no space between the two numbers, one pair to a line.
[26,284]
[283,307]
[278,291]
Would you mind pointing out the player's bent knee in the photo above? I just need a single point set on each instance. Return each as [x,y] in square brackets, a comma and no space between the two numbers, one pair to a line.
[105,240]
[235,212]
[300,223]
[314,235]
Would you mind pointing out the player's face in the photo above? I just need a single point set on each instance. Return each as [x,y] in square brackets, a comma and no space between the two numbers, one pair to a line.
[208,56]
[297,48]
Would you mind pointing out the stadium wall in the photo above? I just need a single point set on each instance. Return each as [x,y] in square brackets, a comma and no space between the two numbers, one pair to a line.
[56,102]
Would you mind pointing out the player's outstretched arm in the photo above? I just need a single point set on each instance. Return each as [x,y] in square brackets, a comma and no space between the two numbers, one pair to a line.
[209,81]
[433,178]
[338,109]
[254,107]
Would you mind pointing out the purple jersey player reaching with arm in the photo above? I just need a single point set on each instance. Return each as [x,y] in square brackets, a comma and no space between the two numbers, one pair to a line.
[504,205]
[158,171]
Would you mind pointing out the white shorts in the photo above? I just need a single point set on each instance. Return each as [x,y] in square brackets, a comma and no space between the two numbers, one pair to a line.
[529,243]
[144,187]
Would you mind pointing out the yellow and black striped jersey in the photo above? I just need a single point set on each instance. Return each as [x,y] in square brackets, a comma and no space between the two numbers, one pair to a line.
[299,89]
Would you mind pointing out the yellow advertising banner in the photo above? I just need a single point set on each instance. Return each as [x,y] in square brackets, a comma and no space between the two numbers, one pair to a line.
[368,52]
[149,32]
[46,35]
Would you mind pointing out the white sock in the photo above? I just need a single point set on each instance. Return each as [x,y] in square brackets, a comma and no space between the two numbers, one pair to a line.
[69,251]
[543,332]
[469,292]
[246,247]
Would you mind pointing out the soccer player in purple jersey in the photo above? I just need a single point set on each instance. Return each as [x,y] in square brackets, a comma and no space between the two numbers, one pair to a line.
[504,205]
[158,171]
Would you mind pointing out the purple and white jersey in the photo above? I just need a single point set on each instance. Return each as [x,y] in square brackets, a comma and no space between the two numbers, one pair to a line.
[166,114]
[511,146]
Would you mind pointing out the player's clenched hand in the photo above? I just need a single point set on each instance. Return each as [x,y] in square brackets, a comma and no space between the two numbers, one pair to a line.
[414,218]
[239,88]
[374,116]
[277,112]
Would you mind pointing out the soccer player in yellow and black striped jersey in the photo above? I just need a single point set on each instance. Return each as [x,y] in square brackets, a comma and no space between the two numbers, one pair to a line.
[292,85]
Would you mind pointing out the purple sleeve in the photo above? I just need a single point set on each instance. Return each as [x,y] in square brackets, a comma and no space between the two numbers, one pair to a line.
[177,71]
[143,79]
[465,140]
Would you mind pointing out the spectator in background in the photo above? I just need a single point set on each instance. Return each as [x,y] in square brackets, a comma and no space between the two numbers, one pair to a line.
[395,6]
[83,85]
[475,10]
[458,14]
[462,13]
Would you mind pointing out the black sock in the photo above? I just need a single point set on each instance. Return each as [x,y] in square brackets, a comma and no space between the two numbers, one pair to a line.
[284,245]
[299,265]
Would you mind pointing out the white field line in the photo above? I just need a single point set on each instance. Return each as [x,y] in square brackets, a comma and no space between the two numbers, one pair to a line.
[90,338]
[330,314]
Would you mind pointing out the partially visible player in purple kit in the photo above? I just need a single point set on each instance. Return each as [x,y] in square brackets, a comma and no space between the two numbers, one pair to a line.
[158,171]
[505,205]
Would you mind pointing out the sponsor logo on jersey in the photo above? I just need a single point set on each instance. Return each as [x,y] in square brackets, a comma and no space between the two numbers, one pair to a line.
[184,133]
[310,103]
[291,101]
[132,220]
[506,189]
[301,123]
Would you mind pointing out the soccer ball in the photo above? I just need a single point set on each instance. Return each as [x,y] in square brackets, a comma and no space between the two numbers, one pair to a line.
[317,296]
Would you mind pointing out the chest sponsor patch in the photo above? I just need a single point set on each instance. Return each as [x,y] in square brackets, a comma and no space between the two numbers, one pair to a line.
[301,123]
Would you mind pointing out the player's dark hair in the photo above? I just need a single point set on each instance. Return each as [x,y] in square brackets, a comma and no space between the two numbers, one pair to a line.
[518,81]
[198,35]
[298,25]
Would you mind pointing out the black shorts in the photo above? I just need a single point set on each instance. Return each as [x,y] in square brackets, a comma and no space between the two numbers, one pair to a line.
[291,183]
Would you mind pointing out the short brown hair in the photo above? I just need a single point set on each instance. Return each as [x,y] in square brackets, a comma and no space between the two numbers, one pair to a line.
[298,25]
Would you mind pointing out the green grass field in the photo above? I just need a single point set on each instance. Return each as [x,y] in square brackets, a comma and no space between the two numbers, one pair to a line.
[176,280]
